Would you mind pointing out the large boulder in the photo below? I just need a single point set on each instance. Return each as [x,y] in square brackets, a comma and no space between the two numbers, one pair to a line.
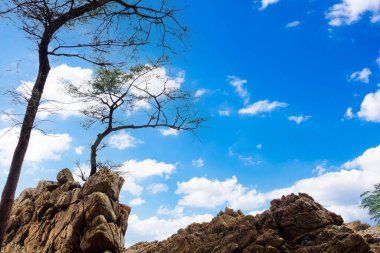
[293,224]
[66,218]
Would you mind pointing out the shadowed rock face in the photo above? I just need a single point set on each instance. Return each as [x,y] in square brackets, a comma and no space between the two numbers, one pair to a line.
[66,218]
[295,223]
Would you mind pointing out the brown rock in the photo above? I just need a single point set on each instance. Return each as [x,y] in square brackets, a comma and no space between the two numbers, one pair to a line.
[294,224]
[63,217]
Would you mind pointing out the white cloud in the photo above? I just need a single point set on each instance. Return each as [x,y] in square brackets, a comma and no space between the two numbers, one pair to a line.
[238,84]
[169,131]
[259,146]
[200,92]
[134,171]
[361,76]
[157,188]
[202,192]
[349,114]
[123,140]
[338,190]
[224,113]
[370,107]
[349,11]
[176,212]
[261,107]
[41,147]
[79,150]
[57,100]
[146,168]
[199,163]
[137,202]
[299,119]
[293,24]
[153,228]
[131,186]
[266,3]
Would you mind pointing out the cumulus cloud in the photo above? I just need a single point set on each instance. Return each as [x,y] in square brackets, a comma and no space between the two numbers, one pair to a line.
[41,147]
[157,188]
[154,228]
[199,163]
[169,132]
[238,84]
[123,140]
[370,107]
[338,190]
[299,119]
[135,171]
[147,168]
[361,76]
[348,12]
[202,192]
[262,107]
[293,24]
[137,202]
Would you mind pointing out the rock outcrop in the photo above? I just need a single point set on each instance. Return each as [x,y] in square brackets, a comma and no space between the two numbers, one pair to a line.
[64,217]
[294,224]
[370,234]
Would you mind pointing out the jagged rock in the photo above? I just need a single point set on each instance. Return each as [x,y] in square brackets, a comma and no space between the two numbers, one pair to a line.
[370,234]
[64,176]
[294,224]
[63,217]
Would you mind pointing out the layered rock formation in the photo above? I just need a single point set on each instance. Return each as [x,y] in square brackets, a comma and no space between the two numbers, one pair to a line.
[295,223]
[65,217]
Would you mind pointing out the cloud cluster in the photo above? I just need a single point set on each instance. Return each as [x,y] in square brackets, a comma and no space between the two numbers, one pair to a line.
[337,190]
[299,119]
[135,171]
[361,76]
[349,11]
[370,107]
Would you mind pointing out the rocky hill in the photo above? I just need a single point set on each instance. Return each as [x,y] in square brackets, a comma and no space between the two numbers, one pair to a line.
[65,217]
[295,223]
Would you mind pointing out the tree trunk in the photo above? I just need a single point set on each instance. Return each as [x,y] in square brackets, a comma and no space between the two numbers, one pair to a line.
[94,149]
[8,194]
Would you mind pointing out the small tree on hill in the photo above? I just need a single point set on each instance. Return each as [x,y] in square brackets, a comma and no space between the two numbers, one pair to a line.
[371,201]
[113,96]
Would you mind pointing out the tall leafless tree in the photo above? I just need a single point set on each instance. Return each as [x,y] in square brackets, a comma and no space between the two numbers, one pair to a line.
[113,96]
[87,30]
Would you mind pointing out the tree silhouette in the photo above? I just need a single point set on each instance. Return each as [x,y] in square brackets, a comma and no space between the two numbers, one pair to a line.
[84,29]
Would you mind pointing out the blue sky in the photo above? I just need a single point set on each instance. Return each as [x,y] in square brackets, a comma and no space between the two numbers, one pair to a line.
[291,91]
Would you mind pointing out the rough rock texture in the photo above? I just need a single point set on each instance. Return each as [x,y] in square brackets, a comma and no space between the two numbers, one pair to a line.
[370,234]
[294,223]
[62,217]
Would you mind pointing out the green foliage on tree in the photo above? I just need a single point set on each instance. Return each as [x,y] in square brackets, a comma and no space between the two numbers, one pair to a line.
[371,201]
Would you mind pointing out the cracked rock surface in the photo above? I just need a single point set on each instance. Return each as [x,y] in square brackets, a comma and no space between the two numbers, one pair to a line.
[64,217]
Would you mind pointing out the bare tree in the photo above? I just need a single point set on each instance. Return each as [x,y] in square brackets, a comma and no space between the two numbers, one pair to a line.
[55,27]
[114,95]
